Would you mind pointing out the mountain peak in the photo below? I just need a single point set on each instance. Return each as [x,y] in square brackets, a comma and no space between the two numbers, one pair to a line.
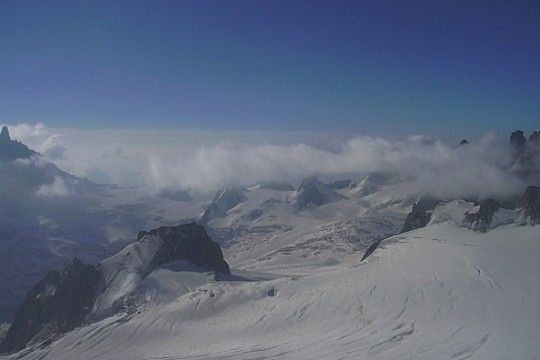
[12,149]
[4,135]
[313,193]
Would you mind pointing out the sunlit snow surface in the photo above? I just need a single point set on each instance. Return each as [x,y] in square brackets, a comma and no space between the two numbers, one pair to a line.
[441,292]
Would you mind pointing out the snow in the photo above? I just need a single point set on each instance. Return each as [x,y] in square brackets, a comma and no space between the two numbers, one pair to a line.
[438,292]
[298,289]
[123,272]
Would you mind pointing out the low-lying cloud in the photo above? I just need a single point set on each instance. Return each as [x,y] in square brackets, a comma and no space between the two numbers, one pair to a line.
[204,161]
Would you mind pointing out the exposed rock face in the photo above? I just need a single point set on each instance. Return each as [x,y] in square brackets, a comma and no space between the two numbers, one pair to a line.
[4,135]
[420,214]
[518,141]
[223,202]
[535,136]
[61,301]
[122,273]
[482,219]
[56,304]
[188,242]
[370,250]
[530,203]
[372,183]
[526,155]
[313,193]
[12,150]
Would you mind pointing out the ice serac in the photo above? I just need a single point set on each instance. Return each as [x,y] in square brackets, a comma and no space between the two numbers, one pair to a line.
[481,220]
[56,304]
[12,150]
[420,214]
[313,193]
[530,204]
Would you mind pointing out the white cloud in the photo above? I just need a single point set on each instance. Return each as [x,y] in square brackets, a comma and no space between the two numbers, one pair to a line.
[207,161]
[57,188]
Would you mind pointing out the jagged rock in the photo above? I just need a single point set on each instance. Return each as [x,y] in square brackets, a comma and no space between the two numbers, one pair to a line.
[122,273]
[372,183]
[530,204]
[463,142]
[517,140]
[535,136]
[56,304]
[340,184]
[526,155]
[370,250]
[222,202]
[4,135]
[420,214]
[64,300]
[188,242]
[313,193]
[12,150]
[481,220]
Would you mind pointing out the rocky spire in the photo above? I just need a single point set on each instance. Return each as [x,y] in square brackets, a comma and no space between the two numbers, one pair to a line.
[530,203]
[535,136]
[4,135]
[11,149]
[518,141]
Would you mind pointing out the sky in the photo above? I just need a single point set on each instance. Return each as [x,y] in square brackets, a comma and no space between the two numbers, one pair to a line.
[384,68]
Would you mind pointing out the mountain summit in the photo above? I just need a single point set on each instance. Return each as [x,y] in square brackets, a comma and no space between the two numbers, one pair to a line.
[11,149]
[4,135]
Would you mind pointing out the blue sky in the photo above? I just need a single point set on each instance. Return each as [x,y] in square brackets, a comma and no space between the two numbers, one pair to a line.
[383,68]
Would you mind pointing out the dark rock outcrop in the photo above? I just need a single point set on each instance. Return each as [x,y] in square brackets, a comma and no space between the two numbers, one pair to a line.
[517,141]
[535,136]
[526,155]
[313,193]
[482,219]
[420,214]
[530,204]
[56,304]
[370,250]
[188,242]
[12,150]
[64,300]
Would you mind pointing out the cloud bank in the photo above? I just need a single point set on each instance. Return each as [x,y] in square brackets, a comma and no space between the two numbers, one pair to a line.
[205,161]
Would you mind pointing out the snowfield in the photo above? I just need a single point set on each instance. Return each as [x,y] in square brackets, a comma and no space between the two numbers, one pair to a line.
[439,292]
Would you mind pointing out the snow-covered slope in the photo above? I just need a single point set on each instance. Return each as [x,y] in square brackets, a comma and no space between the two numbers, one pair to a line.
[48,217]
[439,292]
